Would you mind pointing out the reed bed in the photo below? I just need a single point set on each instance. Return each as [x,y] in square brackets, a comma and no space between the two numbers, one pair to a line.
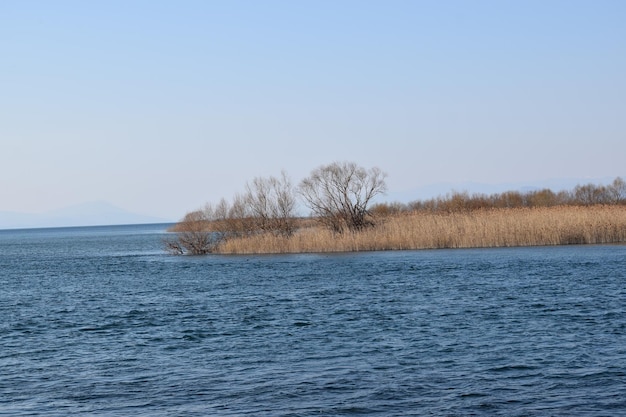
[560,225]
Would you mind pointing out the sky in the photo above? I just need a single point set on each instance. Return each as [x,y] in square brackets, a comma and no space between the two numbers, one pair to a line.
[158,107]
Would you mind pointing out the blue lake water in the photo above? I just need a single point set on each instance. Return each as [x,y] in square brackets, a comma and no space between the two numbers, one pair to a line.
[101,321]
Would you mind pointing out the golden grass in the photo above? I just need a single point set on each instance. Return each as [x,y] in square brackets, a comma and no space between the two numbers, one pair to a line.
[559,225]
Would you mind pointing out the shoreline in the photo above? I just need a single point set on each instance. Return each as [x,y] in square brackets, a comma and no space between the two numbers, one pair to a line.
[478,248]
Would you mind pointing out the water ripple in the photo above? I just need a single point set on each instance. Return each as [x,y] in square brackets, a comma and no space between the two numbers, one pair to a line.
[509,332]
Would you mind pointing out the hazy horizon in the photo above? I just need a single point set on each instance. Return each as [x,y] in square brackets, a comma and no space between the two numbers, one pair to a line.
[159,107]
[102,213]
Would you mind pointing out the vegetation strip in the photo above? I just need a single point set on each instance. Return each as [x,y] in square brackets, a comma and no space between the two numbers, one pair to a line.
[562,225]
[262,220]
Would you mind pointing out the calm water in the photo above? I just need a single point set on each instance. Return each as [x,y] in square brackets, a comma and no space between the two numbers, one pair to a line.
[100,321]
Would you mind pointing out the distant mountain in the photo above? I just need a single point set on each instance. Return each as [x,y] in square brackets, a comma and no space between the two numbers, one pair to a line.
[87,214]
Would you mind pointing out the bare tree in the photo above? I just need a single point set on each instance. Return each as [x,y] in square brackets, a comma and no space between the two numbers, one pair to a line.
[272,203]
[338,194]
[239,220]
[590,194]
[617,191]
[541,198]
[192,235]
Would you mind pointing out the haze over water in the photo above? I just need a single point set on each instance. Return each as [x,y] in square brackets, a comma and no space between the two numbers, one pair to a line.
[100,321]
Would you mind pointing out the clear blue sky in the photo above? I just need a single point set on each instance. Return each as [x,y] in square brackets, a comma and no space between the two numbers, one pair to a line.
[161,106]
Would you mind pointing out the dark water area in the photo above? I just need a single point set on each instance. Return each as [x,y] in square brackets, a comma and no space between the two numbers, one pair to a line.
[102,322]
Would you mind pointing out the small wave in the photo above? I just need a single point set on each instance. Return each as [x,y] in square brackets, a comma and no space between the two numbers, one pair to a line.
[513,368]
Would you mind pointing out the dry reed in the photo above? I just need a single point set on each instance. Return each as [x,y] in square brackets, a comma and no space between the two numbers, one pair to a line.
[559,225]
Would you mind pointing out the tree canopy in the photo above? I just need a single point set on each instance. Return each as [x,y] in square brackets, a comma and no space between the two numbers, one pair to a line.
[339,194]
